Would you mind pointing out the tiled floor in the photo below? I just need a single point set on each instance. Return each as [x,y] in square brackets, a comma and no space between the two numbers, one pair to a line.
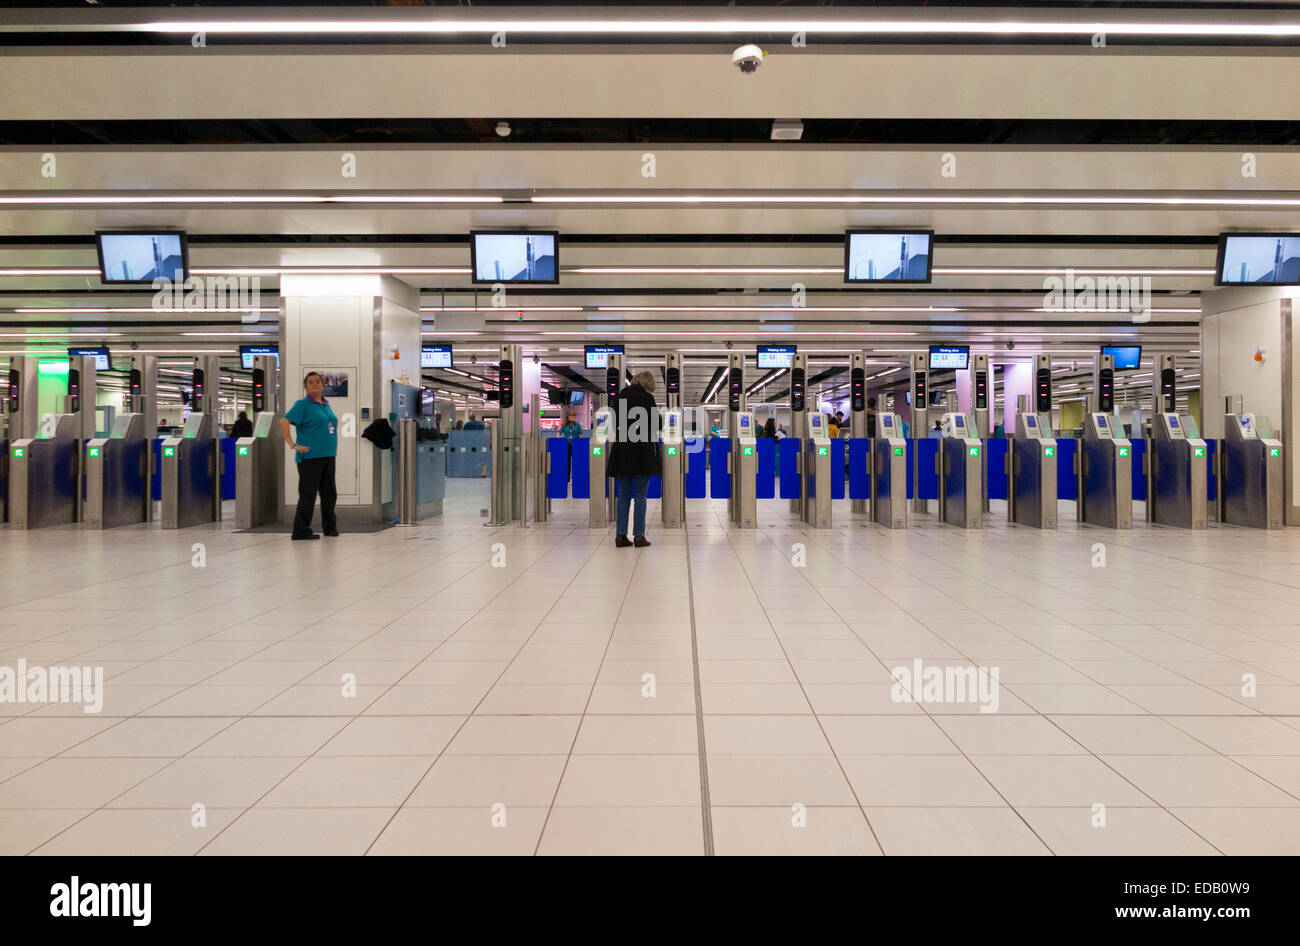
[395,693]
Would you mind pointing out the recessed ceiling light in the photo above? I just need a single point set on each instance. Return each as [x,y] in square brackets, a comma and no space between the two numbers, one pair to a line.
[787,129]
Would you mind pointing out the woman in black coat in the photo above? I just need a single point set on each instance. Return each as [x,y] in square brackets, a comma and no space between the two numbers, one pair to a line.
[634,454]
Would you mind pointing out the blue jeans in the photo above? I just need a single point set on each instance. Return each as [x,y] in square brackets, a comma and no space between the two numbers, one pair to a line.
[629,487]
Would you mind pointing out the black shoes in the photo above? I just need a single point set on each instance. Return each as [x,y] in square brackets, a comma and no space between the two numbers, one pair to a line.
[333,534]
[621,541]
[641,542]
[310,535]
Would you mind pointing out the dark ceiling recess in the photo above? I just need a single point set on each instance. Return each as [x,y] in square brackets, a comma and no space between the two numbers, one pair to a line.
[861,131]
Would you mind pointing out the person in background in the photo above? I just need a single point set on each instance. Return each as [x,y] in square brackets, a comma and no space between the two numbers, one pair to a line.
[314,451]
[780,431]
[839,419]
[474,423]
[833,428]
[460,425]
[936,432]
[714,429]
[871,417]
[242,427]
[571,429]
[769,429]
[907,429]
[634,454]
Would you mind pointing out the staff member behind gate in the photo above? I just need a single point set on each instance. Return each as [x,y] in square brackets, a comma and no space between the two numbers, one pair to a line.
[634,454]
[314,450]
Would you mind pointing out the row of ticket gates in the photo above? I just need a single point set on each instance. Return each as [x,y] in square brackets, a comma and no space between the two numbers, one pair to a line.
[1175,473]
[56,471]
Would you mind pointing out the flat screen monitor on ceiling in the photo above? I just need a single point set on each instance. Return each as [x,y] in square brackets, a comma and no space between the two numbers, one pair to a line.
[426,402]
[141,256]
[102,360]
[776,356]
[1258,259]
[949,356]
[598,355]
[577,397]
[1127,357]
[887,256]
[524,256]
[435,356]
[248,352]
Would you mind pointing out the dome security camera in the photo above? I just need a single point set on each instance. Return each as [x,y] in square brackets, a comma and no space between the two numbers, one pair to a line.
[747,58]
[728,344]
[503,129]
[473,359]
[1011,345]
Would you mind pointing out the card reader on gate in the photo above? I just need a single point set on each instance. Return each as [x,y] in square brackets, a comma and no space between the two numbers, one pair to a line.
[954,425]
[600,429]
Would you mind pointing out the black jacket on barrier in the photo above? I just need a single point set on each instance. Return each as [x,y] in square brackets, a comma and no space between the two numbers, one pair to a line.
[634,446]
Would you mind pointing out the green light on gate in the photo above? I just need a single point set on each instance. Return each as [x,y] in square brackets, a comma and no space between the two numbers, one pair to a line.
[243,451]
[19,453]
[93,451]
[823,451]
[672,451]
[1198,451]
[975,451]
[1123,451]
[898,451]
[597,451]
[747,451]
[1274,451]
[1047,452]
[169,451]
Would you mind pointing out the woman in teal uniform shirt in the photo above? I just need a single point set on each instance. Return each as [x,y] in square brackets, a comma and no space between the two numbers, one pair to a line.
[314,450]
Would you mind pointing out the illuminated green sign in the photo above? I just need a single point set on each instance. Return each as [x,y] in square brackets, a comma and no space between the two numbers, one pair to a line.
[93,451]
[243,451]
[898,451]
[169,451]
[823,451]
[1274,451]
[672,451]
[1047,451]
[1123,451]
[1198,451]
[747,451]
[597,451]
[975,451]
[19,453]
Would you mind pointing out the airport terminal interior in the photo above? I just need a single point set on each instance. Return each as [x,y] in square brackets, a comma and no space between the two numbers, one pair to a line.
[971,335]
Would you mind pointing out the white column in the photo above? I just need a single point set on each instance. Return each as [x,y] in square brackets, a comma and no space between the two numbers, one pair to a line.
[1017,379]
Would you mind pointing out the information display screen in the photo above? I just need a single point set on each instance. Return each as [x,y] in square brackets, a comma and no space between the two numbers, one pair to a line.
[102,360]
[1127,357]
[956,357]
[1259,259]
[248,352]
[520,257]
[435,356]
[887,255]
[141,256]
[598,355]
[776,356]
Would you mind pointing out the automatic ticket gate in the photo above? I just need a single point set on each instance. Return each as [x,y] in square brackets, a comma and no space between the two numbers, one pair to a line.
[1031,474]
[817,466]
[1105,474]
[117,475]
[597,452]
[1251,487]
[43,476]
[673,454]
[744,469]
[961,474]
[1176,490]
[889,473]
[259,473]
[191,475]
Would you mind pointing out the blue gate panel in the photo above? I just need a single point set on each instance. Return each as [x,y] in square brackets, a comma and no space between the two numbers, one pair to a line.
[787,450]
[155,481]
[1067,486]
[911,464]
[765,488]
[557,480]
[859,480]
[581,468]
[926,451]
[719,478]
[656,488]
[1211,481]
[696,462]
[1139,478]
[837,468]
[995,450]
[228,467]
